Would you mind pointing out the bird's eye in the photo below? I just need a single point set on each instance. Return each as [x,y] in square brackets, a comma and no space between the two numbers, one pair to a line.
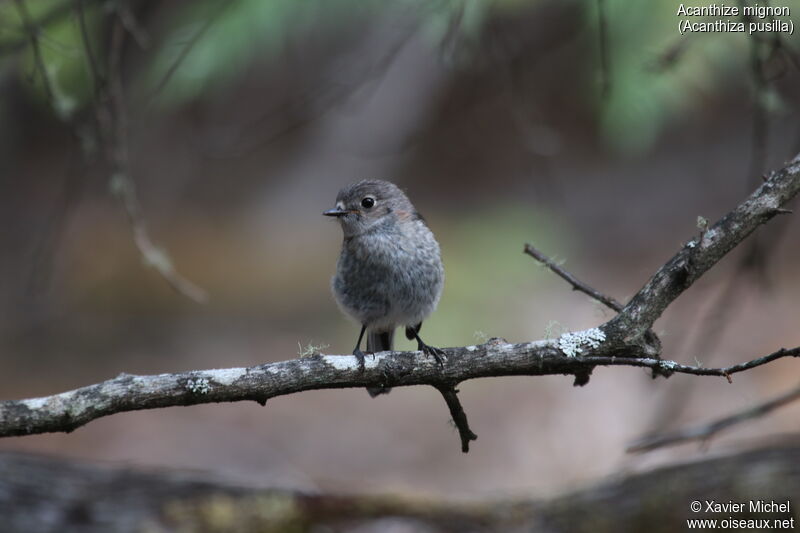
[367,202]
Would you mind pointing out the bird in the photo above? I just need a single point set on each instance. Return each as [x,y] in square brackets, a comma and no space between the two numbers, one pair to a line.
[389,271]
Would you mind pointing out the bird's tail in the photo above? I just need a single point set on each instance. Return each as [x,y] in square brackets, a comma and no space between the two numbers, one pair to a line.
[379,341]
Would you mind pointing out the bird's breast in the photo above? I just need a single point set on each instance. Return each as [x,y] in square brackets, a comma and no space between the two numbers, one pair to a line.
[396,276]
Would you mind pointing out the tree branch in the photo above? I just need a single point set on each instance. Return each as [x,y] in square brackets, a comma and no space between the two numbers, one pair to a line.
[450,395]
[70,410]
[704,432]
[623,341]
[697,256]
[577,285]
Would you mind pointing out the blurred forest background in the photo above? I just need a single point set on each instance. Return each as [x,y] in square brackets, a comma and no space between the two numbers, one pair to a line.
[506,121]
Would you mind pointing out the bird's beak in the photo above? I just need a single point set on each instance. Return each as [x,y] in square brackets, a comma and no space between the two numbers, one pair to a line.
[336,212]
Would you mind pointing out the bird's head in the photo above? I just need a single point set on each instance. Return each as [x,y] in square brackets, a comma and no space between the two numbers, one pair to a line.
[367,204]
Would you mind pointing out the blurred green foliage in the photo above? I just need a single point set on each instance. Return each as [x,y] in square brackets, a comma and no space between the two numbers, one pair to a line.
[235,35]
[224,39]
[62,52]
[655,73]
[647,90]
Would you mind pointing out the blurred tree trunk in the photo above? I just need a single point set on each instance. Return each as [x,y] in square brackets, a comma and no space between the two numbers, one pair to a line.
[48,494]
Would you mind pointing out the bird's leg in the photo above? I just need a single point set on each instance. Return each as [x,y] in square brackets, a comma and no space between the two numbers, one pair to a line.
[357,352]
[427,350]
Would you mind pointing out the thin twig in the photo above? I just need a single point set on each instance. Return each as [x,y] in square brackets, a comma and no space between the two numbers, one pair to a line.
[123,189]
[727,371]
[190,44]
[91,61]
[760,129]
[32,31]
[605,62]
[703,432]
[132,26]
[450,395]
[577,284]
[112,131]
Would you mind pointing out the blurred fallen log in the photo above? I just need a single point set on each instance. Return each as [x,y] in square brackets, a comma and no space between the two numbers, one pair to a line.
[42,494]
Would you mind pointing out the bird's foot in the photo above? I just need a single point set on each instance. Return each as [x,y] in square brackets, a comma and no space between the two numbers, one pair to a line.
[360,356]
[437,353]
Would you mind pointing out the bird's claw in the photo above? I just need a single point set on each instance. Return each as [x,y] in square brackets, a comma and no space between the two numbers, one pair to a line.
[437,353]
[360,357]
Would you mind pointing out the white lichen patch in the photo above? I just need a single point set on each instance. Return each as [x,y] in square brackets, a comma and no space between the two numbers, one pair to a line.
[669,364]
[226,376]
[198,386]
[575,342]
[691,244]
[346,362]
[710,235]
[35,403]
